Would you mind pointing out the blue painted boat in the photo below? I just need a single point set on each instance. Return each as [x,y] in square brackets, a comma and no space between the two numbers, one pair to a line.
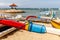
[37,28]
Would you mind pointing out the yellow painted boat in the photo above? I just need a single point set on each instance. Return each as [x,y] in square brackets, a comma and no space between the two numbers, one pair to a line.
[55,23]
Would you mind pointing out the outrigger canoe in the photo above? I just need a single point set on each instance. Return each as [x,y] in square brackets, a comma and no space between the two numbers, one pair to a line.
[36,19]
[55,23]
[12,11]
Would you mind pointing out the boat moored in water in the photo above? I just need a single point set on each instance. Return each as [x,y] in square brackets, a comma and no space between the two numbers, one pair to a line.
[11,11]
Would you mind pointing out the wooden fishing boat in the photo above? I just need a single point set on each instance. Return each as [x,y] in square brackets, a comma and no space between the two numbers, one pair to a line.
[12,11]
[36,19]
[56,23]
[43,19]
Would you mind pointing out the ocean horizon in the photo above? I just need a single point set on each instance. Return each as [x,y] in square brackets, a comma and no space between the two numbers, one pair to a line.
[33,11]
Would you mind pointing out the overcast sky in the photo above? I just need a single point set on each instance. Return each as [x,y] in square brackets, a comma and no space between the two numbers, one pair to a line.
[31,3]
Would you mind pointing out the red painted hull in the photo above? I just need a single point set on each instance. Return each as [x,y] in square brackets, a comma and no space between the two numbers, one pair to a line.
[12,23]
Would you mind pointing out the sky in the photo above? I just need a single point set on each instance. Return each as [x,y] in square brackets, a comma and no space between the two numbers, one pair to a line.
[31,3]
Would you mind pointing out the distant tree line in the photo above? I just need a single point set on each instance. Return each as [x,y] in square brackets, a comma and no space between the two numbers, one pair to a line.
[48,9]
[41,9]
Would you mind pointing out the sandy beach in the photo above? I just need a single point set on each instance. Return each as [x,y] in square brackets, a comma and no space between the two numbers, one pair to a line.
[26,35]
[17,11]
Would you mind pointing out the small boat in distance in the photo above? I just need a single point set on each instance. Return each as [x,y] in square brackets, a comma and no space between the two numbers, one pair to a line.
[12,10]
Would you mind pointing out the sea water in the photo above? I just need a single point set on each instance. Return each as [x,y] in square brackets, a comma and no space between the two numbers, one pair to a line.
[35,12]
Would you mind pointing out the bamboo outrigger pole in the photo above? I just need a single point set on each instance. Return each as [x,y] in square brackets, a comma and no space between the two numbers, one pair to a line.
[7,31]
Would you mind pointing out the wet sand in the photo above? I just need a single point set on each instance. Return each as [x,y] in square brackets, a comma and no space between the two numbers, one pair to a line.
[26,35]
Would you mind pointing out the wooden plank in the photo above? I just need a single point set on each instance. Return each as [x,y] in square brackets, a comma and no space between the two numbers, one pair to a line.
[7,31]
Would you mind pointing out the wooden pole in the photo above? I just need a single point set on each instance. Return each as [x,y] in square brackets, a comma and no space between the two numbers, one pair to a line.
[7,31]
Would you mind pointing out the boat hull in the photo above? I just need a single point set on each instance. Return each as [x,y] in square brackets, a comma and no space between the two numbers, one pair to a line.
[12,11]
[55,24]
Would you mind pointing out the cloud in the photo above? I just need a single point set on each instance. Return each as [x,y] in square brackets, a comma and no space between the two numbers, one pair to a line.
[17,2]
[42,4]
[3,4]
[31,3]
